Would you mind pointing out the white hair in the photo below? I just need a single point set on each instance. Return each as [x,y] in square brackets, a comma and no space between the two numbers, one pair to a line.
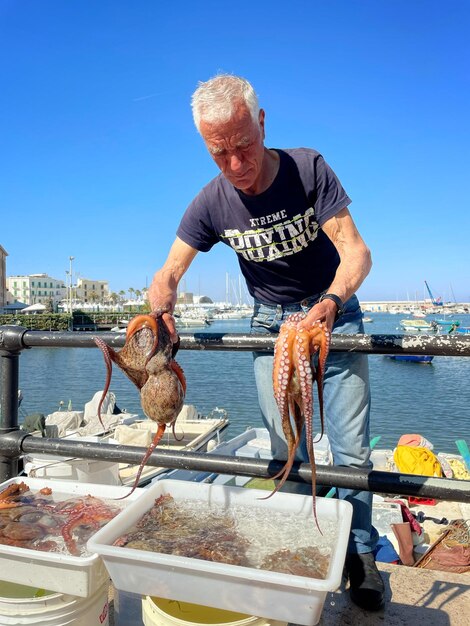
[216,100]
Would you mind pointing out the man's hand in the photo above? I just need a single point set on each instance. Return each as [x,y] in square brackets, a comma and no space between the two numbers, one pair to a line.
[162,293]
[324,311]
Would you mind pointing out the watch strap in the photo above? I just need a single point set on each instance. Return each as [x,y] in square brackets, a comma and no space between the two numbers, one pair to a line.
[337,300]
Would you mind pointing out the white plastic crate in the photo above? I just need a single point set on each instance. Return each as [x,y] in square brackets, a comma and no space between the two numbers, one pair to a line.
[75,575]
[248,590]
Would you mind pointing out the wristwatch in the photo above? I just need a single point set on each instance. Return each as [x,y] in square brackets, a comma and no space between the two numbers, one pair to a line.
[337,300]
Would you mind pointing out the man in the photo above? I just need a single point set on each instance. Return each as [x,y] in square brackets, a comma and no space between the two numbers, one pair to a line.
[285,214]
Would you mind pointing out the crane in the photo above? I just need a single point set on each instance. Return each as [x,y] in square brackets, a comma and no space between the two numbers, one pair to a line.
[435,301]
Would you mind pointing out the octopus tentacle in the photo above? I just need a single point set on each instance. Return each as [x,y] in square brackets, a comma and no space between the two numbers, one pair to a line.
[156,440]
[109,357]
[176,367]
[320,342]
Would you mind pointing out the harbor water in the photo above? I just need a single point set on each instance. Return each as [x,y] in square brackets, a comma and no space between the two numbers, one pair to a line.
[432,400]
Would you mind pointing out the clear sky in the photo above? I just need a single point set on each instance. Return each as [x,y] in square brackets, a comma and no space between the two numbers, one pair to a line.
[99,156]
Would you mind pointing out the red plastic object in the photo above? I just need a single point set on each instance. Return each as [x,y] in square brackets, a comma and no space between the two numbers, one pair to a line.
[415,500]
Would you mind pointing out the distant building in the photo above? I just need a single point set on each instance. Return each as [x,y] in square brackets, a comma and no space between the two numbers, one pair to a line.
[3,277]
[185,297]
[203,300]
[36,288]
[91,290]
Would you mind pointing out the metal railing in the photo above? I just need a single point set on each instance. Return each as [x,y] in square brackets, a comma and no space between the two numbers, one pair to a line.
[15,442]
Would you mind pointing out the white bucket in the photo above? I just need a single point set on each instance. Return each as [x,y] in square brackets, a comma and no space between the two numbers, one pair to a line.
[161,612]
[30,605]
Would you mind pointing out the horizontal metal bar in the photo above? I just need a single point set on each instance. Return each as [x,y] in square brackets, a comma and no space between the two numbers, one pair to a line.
[328,476]
[440,345]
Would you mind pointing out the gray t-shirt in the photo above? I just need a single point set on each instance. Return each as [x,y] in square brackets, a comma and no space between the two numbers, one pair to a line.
[282,251]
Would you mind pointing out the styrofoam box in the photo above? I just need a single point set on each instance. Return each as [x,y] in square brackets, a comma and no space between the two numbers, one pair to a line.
[75,575]
[243,589]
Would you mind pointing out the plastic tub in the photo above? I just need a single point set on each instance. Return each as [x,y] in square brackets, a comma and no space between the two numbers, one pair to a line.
[248,590]
[162,612]
[63,573]
[30,605]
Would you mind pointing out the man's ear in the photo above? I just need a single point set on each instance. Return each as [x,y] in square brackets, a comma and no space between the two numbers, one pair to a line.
[261,122]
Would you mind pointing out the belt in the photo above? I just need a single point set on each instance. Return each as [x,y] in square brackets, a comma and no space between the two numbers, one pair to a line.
[290,305]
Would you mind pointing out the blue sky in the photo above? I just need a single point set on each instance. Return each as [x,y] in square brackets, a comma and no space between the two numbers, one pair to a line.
[99,157]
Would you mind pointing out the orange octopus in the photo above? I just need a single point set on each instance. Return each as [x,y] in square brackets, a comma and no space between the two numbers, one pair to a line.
[147,358]
[293,377]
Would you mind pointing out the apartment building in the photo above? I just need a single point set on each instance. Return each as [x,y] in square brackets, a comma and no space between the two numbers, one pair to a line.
[92,291]
[36,288]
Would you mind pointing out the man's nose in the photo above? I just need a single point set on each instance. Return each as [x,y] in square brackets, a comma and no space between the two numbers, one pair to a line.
[235,162]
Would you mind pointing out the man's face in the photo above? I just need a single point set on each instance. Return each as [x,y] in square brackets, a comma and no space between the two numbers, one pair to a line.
[237,148]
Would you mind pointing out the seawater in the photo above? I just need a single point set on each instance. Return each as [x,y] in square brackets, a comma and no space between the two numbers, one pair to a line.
[432,400]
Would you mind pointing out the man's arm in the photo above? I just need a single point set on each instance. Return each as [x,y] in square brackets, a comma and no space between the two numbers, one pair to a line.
[162,292]
[355,264]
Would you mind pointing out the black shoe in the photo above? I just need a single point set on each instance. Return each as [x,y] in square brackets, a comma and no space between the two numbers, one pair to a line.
[366,586]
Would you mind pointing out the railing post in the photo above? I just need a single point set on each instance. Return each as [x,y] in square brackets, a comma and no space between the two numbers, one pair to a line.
[10,347]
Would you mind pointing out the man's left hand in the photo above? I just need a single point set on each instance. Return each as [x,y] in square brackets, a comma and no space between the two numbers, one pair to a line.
[324,311]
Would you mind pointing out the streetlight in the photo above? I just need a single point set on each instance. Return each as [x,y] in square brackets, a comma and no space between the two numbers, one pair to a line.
[71,258]
[67,290]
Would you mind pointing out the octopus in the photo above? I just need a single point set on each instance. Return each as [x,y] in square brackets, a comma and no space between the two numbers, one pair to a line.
[34,521]
[147,359]
[293,378]
[170,528]
[87,512]
[307,561]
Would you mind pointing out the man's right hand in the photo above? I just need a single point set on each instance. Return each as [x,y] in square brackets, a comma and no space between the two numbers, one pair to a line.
[162,293]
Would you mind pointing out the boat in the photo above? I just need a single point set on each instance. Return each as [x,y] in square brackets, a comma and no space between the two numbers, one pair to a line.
[186,321]
[412,358]
[418,326]
[445,322]
[194,432]
[367,320]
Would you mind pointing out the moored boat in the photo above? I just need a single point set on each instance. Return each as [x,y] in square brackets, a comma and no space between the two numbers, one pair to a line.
[412,358]
[418,326]
[193,432]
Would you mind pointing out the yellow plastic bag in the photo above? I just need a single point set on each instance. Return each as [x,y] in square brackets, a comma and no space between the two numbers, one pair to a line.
[416,460]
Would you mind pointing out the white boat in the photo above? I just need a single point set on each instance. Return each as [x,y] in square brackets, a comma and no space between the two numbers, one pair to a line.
[193,431]
[185,321]
[418,326]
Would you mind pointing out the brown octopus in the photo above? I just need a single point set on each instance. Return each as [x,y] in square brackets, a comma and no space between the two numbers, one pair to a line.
[147,359]
[293,377]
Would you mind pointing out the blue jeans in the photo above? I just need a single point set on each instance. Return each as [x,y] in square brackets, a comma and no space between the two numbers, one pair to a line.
[346,404]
